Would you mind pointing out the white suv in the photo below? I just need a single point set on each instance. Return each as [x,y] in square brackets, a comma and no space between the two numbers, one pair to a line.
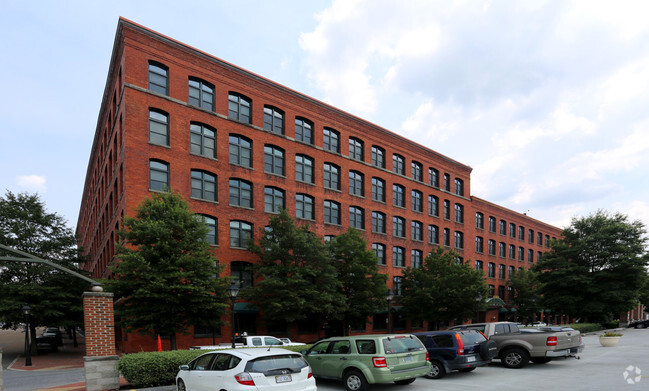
[239,369]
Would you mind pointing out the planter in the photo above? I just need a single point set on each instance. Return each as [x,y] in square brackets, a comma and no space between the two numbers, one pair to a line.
[608,341]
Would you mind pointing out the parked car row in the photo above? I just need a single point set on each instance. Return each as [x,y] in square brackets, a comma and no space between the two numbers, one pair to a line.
[361,360]
[639,324]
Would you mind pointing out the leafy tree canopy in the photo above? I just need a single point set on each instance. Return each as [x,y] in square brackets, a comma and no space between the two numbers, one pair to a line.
[442,289]
[596,270]
[167,278]
[297,278]
[527,294]
[357,270]
[55,297]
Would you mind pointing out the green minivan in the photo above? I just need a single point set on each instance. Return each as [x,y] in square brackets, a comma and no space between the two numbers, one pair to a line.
[361,360]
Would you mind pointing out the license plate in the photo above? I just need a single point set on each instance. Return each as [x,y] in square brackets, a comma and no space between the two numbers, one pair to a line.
[283,379]
[407,359]
[470,359]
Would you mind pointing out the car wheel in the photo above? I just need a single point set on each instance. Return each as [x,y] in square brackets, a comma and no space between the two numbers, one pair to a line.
[355,381]
[515,358]
[640,326]
[437,370]
[404,382]
[488,350]
[466,369]
[541,360]
[181,385]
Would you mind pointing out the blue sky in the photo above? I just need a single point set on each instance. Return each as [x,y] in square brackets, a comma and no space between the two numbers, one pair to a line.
[546,100]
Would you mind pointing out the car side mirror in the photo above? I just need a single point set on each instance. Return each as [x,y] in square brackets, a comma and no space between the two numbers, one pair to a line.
[303,352]
[184,367]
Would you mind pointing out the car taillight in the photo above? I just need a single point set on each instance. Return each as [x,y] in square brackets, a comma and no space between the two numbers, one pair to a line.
[244,378]
[427,356]
[551,341]
[310,375]
[379,362]
[460,345]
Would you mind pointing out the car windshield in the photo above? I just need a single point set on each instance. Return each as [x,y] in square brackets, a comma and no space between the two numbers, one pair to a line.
[401,345]
[274,365]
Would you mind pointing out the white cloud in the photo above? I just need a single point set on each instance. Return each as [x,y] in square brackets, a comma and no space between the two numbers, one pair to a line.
[33,183]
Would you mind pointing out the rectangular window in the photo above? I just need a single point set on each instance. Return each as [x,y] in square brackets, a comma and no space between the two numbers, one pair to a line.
[202,140]
[459,186]
[240,193]
[417,169]
[433,177]
[158,127]
[356,217]
[378,156]
[379,251]
[398,195]
[158,176]
[378,190]
[501,271]
[203,185]
[415,258]
[201,94]
[303,169]
[273,160]
[417,231]
[331,176]
[240,232]
[331,140]
[398,257]
[417,201]
[492,224]
[492,247]
[273,120]
[304,207]
[378,222]
[398,164]
[459,239]
[239,107]
[304,130]
[356,149]
[240,151]
[433,205]
[158,78]
[331,212]
[479,220]
[479,244]
[492,270]
[398,227]
[356,183]
[459,213]
[433,234]
[273,199]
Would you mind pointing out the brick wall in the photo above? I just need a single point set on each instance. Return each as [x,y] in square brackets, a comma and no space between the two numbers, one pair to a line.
[98,319]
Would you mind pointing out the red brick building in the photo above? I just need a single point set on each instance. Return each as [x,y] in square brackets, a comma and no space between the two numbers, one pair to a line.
[239,146]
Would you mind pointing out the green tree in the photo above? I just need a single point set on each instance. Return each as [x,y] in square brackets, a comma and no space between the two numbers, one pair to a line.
[357,270]
[55,297]
[597,268]
[526,288]
[297,278]
[442,289]
[167,278]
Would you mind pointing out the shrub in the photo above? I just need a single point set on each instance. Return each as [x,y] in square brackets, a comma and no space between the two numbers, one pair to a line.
[586,327]
[153,369]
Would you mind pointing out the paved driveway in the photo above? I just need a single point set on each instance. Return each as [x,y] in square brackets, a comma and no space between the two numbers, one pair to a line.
[598,369]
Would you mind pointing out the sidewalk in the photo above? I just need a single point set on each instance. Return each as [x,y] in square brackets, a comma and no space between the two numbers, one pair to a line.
[67,357]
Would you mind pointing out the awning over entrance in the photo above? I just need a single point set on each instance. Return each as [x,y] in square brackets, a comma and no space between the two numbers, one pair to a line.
[495,302]
[245,308]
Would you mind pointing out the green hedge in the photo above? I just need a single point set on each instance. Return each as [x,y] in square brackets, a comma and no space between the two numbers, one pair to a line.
[153,369]
[586,327]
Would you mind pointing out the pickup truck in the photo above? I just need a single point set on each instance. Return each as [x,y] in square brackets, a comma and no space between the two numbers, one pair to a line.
[516,349]
[256,341]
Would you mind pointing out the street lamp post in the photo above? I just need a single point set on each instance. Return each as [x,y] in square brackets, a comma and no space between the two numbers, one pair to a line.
[28,358]
[233,291]
[478,300]
[388,297]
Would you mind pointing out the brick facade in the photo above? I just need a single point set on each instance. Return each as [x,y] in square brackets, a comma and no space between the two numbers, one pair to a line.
[118,172]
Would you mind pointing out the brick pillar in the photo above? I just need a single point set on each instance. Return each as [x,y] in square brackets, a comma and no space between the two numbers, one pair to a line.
[100,362]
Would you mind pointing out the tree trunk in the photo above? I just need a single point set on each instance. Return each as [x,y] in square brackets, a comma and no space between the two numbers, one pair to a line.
[172,341]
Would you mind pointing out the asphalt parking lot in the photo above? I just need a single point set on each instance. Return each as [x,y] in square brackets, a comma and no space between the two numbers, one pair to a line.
[598,368]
